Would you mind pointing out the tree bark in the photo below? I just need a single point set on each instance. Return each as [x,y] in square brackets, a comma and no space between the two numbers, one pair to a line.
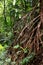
[41,10]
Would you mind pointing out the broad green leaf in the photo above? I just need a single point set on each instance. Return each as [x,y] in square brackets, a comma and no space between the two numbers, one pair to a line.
[17,46]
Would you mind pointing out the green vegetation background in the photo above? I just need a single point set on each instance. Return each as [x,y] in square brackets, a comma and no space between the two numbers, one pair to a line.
[10,12]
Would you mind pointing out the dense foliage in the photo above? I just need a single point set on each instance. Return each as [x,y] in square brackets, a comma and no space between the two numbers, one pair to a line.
[10,12]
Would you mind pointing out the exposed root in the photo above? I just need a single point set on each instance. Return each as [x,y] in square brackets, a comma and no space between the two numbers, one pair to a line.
[30,37]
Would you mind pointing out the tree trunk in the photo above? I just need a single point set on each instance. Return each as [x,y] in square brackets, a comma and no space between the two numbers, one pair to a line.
[41,10]
[5,21]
